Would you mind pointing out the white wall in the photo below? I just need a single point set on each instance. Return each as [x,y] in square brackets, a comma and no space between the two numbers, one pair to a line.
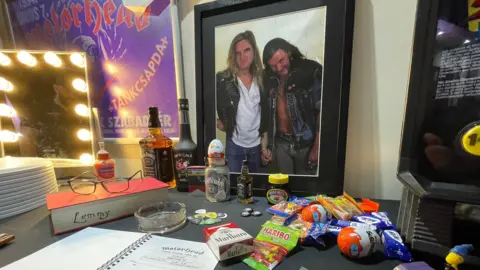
[380,71]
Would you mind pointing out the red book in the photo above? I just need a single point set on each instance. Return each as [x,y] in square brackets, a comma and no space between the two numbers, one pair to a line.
[70,211]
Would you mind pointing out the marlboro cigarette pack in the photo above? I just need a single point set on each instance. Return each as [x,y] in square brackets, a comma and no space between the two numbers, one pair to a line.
[228,241]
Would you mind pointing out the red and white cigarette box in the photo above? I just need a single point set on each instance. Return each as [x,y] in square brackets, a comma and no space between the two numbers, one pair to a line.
[228,241]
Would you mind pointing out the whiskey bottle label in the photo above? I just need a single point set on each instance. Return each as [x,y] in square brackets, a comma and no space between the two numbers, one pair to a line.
[182,161]
[148,162]
[241,191]
[248,191]
[164,164]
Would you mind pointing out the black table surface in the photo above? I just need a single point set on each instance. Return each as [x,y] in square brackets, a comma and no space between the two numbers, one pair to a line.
[33,232]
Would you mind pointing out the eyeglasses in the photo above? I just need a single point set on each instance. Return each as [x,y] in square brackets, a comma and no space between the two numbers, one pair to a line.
[86,183]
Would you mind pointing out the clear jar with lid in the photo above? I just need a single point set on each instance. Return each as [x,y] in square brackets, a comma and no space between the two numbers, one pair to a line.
[217,174]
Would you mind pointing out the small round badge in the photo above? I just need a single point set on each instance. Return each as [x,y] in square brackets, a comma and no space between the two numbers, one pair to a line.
[212,215]
[245,214]
[248,210]
[222,215]
[201,211]
[256,213]
[199,216]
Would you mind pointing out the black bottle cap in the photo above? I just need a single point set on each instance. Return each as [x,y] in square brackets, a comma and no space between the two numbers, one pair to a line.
[152,111]
[245,162]
[183,104]
[153,121]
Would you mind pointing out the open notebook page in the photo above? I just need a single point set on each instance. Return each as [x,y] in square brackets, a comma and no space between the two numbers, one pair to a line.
[85,250]
[161,253]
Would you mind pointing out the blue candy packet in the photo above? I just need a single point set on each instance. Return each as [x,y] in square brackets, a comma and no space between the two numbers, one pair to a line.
[300,201]
[313,235]
[378,219]
[335,230]
[345,223]
[394,246]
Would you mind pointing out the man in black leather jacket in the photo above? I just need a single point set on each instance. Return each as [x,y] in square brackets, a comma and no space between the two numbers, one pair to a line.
[294,84]
[241,103]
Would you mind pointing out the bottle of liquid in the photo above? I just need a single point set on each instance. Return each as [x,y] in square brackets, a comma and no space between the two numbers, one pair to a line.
[244,185]
[157,155]
[104,165]
[184,149]
[217,174]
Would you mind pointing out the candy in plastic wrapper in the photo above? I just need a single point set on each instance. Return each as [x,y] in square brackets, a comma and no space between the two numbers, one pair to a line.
[300,202]
[346,223]
[394,247]
[349,204]
[284,221]
[379,219]
[332,205]
[312,234]
[284,209]
[316,213]
[335,230]
[271,245]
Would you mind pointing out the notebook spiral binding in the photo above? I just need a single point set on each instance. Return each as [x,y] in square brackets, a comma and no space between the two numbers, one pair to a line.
[120,256]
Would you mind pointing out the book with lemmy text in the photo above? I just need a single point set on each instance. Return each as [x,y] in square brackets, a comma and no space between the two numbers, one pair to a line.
[70,211]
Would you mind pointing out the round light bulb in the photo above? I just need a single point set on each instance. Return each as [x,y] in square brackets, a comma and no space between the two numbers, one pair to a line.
[112,69]
[5,85]
[78,60]
[9,137]
[7,111]
[80,85]
[26,58]
[82,110]
[84,135]
[52,59]
[86,159]
[4,60]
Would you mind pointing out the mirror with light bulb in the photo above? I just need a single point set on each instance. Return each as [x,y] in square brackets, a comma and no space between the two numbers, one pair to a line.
[44,105]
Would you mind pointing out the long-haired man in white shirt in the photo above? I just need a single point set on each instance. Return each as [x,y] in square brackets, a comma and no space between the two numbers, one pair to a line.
[241,102]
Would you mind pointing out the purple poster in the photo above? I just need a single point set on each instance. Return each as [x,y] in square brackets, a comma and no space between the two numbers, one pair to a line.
[131,63]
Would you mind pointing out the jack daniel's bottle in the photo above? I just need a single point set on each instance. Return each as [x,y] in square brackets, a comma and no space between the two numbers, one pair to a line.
[157,156]
[244,185]
[185,147]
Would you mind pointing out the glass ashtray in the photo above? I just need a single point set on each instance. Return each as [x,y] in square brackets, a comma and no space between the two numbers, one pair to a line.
[161,217]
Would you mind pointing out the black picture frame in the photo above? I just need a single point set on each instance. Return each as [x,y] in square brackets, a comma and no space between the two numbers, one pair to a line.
[336,83]
[419,90]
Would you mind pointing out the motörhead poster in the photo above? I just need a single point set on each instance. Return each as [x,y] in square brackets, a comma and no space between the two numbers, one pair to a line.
[131,62]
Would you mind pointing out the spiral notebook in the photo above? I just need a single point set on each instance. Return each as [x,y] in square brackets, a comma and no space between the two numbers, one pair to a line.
[101,249]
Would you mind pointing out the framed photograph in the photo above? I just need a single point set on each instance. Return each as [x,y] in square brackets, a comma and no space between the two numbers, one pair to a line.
[273,80]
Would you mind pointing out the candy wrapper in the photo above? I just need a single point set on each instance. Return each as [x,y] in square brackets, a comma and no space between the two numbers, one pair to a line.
[284,221]
[349,204]
[394,246]
[271,245]
[284,209]
[300,202]
[346,223]
[332,205]
[312,233]
[342,207]
[379,219]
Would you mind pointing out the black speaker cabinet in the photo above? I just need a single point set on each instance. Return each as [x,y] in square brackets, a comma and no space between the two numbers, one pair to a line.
[440,149]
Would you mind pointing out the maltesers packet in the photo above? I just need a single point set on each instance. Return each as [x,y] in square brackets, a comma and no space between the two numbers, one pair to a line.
[228,241]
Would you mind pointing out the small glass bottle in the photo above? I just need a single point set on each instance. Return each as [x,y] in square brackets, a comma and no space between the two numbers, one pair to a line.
[104,165]
[244,185]
[217,174]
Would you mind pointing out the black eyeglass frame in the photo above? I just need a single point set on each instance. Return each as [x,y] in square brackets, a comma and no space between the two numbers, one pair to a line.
[102,183]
